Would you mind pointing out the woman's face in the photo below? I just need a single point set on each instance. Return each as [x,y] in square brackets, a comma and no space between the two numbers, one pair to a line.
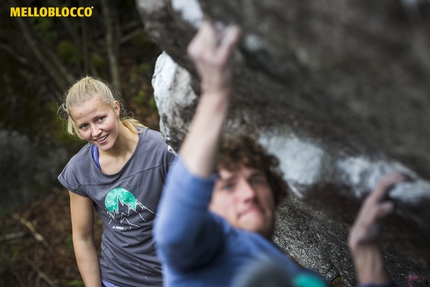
[97,122]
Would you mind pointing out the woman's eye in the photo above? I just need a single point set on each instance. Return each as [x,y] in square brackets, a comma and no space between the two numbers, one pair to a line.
[100,119]
[82,127]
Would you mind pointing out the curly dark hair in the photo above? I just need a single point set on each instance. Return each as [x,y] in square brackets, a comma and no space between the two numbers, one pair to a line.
[243,150]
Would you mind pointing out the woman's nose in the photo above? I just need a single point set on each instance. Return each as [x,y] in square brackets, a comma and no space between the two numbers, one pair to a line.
[95,131]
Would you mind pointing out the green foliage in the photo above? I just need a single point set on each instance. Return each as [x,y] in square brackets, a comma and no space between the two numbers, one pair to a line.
[98,61]
[4,224]
[68,52]
[69,242]
[133,78]
[76,283]
[152,103]
[45,26]
[145,69]
[140,97]
[144,44]
[15,255]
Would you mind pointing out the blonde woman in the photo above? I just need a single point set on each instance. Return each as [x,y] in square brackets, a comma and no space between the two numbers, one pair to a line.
[120,173]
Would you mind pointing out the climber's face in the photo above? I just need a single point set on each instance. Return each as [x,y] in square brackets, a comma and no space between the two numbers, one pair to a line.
[244,198]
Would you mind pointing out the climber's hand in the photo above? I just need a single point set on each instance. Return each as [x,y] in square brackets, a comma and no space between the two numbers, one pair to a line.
[374,208]
[210,51]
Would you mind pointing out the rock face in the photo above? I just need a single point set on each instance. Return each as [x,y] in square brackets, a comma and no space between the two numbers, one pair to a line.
[338,90]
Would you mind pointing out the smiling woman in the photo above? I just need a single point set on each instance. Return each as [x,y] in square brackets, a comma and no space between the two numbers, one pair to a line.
[94,118]
[84,90]
[119,172]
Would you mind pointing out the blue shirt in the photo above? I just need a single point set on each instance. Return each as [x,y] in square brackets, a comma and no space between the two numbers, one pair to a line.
[199,248]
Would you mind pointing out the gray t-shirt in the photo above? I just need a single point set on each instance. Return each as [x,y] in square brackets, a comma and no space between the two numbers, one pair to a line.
[127,204]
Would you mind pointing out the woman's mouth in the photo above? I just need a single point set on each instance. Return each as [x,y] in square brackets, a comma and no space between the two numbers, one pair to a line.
[102,139]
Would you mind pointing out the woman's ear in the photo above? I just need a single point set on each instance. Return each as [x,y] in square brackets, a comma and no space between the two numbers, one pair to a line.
[117,108]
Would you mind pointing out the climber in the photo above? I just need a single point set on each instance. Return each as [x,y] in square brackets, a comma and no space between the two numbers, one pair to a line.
[217,212]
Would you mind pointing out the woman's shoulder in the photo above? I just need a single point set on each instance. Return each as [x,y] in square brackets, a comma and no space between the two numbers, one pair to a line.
[154,141]
[78,169]
[151,133]
[81,156]
[153,137]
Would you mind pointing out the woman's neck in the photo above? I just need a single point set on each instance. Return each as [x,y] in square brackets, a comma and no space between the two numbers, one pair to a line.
[112,160]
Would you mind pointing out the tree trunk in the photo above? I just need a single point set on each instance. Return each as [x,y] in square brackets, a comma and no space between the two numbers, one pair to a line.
[111,45]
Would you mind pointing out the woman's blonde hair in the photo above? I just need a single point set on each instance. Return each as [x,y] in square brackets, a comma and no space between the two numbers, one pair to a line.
[85,89]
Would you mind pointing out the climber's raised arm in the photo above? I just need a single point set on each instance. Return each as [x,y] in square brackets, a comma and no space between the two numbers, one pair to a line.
[210,51]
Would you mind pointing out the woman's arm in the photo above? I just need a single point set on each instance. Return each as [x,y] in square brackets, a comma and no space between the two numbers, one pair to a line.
[82,214]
